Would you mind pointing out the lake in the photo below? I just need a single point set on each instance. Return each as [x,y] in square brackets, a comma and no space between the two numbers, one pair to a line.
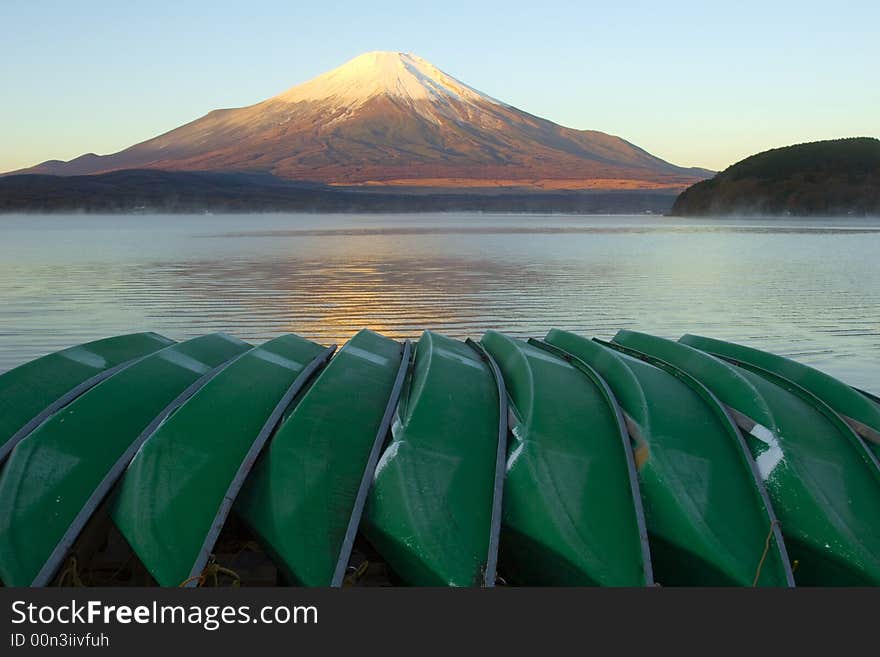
[809,289]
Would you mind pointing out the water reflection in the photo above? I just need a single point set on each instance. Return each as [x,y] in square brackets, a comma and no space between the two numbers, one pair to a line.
[810,290]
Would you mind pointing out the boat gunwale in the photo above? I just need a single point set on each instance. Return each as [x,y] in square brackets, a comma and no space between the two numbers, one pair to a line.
[370,467]
[491,571]
[727,420]
[247,463]
[623,432]
[53,562]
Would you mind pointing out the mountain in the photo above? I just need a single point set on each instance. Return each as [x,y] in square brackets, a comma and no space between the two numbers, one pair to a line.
[388,119]
[824,178]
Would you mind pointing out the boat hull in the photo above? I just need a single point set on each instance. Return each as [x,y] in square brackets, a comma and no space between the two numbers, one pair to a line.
[175,495]
[302,493]
[569,514]
[430,507]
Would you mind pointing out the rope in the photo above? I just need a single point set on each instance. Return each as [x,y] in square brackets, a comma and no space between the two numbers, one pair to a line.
[218,570]
[773,523]
[71,570]
[199,578]
[352,578]
[213,570]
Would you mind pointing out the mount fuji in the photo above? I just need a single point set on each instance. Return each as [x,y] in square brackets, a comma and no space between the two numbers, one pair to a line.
[392,120]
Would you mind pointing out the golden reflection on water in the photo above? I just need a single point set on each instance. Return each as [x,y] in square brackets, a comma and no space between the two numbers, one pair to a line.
[809,290]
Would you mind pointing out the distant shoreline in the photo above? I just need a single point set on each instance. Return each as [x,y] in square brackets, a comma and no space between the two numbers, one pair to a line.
[142,192]
[163,192]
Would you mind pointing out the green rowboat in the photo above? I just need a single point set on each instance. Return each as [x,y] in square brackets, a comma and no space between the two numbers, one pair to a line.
[859,410]
[176,494]
[57,476]
[32,392]
[305,495]
[706,508]
[571,512]
[429,511]
[823,485]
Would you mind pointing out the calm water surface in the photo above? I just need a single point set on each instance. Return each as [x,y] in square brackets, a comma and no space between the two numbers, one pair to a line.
[807,289]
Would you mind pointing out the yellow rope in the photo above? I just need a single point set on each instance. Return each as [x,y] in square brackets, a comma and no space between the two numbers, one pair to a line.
[766,550]
[220,570]
[352,578]
[213,570]
[199,578]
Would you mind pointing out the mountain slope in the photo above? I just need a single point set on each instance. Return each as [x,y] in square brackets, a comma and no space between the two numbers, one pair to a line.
[392,119]
[834,177]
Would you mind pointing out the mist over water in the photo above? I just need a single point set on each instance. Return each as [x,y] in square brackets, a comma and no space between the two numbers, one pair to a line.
[803,288]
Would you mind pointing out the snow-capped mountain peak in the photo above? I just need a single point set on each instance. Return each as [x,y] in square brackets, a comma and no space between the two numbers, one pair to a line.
[401,75]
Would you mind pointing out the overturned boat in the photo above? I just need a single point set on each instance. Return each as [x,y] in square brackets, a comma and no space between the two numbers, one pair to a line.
[560,461]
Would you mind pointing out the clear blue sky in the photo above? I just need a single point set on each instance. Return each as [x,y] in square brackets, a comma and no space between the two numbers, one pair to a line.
[698,83]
